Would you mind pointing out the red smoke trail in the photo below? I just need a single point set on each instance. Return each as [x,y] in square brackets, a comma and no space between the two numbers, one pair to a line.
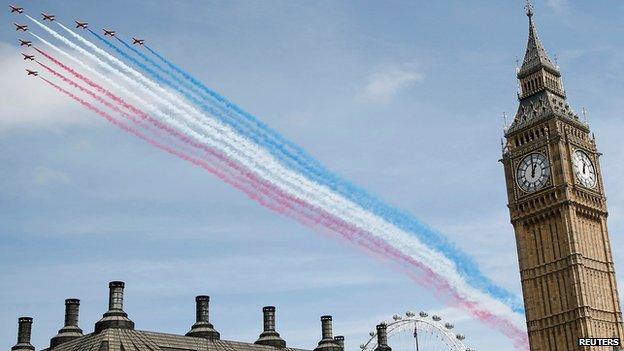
[94,85]
[296,208]
[138,112]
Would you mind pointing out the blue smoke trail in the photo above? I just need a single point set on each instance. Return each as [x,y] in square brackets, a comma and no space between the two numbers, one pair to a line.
[299,160]
[164,81]
[162,69]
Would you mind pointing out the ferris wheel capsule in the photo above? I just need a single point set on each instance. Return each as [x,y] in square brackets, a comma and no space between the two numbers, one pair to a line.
[436,318]
[460,336]
[371,333]
[409,314]
[396,317]
[449,326]
[362,346]
[423,314]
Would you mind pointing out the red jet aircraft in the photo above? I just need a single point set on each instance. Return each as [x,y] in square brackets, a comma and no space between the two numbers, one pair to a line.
[110,33]
[47,17]
[21,27]
[16,9]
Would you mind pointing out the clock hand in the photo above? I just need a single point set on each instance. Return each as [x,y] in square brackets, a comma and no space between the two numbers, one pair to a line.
[533,170]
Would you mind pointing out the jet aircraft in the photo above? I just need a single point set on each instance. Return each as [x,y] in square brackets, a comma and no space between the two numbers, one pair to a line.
[110,33]
[28,57]
[138,41]
[25,42]
[16,9]
[83,25]
[32,73]
[47,17]
[21,27]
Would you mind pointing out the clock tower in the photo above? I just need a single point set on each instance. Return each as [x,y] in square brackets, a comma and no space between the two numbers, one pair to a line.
[558,210]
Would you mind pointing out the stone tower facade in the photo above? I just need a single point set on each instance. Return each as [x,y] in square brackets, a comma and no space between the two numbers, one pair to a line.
[558,210]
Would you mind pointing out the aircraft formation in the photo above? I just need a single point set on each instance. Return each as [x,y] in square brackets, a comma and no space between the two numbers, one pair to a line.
[50,18]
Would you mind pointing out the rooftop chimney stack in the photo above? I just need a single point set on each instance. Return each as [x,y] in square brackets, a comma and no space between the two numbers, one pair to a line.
[327,342]
[382,338]
[72,307]
[202,306]
[71,330]
[115,317]
[115,296]
[23,335]
[269,336]
[268,316]
[339,339]
[202,327]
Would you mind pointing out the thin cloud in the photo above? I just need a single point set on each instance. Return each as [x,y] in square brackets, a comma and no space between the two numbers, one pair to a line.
[559,6]
[385,84]
[29,102]
[45,176]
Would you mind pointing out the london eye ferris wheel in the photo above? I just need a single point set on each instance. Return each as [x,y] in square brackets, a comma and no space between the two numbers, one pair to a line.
[411,332]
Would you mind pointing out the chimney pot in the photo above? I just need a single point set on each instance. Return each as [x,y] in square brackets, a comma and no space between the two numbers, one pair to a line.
[269,336]
[115,295]
[269,318]
[23,334]
[71,312]
[115,317]
[71,330]
[327,342]
[202,327]
[382,338]
[24,330]
[339,339]
[326,327]
[202,303]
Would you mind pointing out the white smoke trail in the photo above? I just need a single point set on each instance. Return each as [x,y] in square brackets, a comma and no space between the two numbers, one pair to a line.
[262,163]
[255,158]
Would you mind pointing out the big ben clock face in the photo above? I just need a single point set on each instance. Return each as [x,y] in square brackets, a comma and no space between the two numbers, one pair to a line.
[584,169]
[533,172]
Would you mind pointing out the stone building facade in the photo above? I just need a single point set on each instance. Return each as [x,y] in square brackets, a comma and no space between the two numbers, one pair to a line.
[558,210]
[116,332]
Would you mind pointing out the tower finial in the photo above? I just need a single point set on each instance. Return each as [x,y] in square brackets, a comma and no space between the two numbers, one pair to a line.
[529,8]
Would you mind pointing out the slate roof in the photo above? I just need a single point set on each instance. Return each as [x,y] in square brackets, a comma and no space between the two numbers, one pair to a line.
[137,340]
[116,332]
[541,106]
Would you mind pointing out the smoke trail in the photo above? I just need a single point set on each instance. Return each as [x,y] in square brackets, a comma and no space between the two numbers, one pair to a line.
[115,48]
[259,160]
[180,82]
[350,233]
[388,233]
[138,112]
[163,116]
[210,109]
[298,159]
[382,229]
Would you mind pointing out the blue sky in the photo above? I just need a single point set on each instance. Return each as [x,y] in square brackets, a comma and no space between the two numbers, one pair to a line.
[402,97]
